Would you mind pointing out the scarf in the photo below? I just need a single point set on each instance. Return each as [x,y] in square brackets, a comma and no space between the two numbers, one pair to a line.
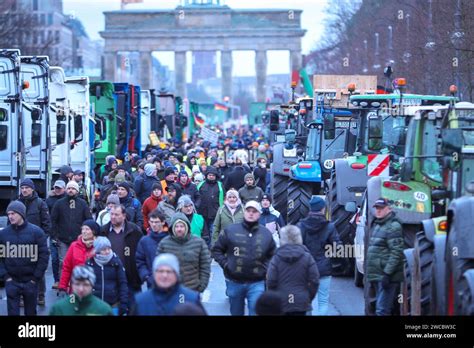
[102,260]
[88,243]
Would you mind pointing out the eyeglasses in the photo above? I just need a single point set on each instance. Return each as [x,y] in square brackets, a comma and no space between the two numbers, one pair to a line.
[164,271]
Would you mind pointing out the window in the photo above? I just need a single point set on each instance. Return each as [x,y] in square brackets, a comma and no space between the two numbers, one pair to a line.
[50,19]
[57,36]
[35,5]
[43,19]
[430,165]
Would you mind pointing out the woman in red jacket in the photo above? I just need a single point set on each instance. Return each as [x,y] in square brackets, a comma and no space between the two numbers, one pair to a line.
[151,203]
[79,252]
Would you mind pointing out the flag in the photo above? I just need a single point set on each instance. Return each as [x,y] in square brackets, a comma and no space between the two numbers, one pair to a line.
[220,106]
[199,119]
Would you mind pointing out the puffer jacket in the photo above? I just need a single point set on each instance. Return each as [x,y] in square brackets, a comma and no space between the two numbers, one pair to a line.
[150,204]
[225,218]
[250,193]
[37,212]
[318,233]
[111,283]
[385,252]
[143,186]
[192,253]
[133,209]
[294,274]
[146,253]
[255,246]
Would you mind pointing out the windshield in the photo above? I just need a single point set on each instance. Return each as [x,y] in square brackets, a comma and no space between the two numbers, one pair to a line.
[394,133]
[466,122]
[314,145]
[334,148]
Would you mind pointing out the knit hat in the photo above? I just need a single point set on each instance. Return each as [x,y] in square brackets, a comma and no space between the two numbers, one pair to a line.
[18,207]
[317,203]
[157,185]
[269,303]
[92,225]
[249,176]
[119,178]
[113,198]
[168,171]
[73,184]
[232,192]
[290,234]
[183,173]
[110,159]
[65,170]
[196,169]
[83,273]
[101,243]
[125,185]
[199,177]
[267,196]
[184,201]
[60,184]
[165,259]
[28,183]
[149,169]
[180,217]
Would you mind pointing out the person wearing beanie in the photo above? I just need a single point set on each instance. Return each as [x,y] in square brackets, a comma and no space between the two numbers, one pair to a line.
[198,178]
[111,281]
[168,205]
[293,272]
[260,173]
[167,292]
[67,217]
[65,173]
[231,212]
[198,225]
[79,252]
[146,249]
[317,232]
[189,188]
[143,184]
[103,217]
[270,303]
[271,218]
[191,251]
[110,165]
[131,204]
[82,302]
[151,203]
[250,192]
[170,178]
[22,275]
[246,270]
[78,177]
[37,213]
[212,197]
[235,178]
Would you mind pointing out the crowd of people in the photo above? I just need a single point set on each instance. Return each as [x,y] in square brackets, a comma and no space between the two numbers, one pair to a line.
[144,244]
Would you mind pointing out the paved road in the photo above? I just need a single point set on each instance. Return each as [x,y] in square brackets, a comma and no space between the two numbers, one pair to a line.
[345,298]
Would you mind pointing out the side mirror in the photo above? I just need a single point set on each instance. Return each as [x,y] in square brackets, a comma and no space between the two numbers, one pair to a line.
[35,134]
[375,133]
[452,141]
[60,134]
[350,207]
[274,120]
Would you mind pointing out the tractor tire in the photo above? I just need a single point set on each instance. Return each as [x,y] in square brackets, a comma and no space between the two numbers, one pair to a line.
[341,220]
[358,277]
[405,306]
[467,293]
[438,277]
[299,195]
[423,254]
[280,193]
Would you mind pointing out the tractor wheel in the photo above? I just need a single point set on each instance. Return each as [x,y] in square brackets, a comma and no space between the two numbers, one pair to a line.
[299,195]
[405,306]
[340,218]
[467,293]
[423,254]
[280,193]
[438,277]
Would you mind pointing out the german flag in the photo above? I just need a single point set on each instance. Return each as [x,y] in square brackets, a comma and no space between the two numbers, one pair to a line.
[199,119]
[220,106]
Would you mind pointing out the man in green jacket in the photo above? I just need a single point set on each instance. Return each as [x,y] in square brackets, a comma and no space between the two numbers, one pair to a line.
[385,256]
[81,301]
[191,251]
[250,192]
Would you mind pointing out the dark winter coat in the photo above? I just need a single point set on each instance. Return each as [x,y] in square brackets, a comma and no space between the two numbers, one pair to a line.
[111,283]
[164,302]
[255,246]
[37,212]
[212,197]
[146,253]
[143,185]
[191,190]
[133,209]
[133,234]
[294,274]
[235,179]
[67,218]
[52,199]
[24,237]
[318,233]
[260,175]
[268,216]
[193,255]
[385,252]
[225,218]
[250,193]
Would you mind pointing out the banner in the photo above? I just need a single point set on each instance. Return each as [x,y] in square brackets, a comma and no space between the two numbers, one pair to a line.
[209,135]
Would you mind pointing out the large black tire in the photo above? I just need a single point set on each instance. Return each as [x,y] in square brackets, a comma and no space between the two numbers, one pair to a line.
[299,195]
[341,219]
[423,254]
[438,277]
[405,305]
[280,193]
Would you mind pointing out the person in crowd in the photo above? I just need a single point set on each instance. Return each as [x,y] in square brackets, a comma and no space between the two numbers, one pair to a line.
[250,192]
[235,178]
[110,164]
[198,178]
[293,273]
[231,212]
[212,197]
[167,293]
[244,268]
[189,188]
[65,173]
[132,205]
[143,184]
[103,217]
[198,225]
[151,203]
[317,233]
[81,301]
[148,245]
[111,281]
[78,176]
[21,275]
[385,256]
[260,173]
[271,218]
[78,253]
[170,178]
[169,204]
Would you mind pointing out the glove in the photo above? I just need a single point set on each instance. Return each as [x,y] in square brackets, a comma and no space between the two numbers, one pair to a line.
[385,281]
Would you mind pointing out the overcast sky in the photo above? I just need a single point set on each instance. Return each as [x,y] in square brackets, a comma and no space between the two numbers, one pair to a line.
[90,12]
